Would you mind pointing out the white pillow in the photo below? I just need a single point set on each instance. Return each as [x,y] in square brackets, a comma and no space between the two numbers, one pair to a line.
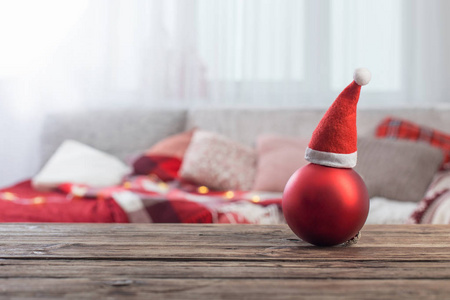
[75,162]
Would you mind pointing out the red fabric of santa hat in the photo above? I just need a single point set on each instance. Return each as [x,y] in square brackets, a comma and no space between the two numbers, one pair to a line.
[333,142]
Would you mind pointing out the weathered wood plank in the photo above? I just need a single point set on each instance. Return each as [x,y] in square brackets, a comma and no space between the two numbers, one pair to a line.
[136,229]
[141,288]
[219,253]
[369,239]
[215,242]
[95,269]
[161,233]
[145,227]
[219,262]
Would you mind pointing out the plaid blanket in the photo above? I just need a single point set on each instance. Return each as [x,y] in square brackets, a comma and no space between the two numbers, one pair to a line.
[152,193]
[149,199]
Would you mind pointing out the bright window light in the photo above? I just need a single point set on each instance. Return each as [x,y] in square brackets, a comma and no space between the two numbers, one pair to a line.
[366,34]
[30,30]
[254,40]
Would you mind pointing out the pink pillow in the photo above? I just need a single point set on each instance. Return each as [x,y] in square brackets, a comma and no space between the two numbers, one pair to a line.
[278,158]
[218,162]
[174,145]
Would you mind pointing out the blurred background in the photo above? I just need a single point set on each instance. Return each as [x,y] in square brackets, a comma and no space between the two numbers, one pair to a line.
[133,54]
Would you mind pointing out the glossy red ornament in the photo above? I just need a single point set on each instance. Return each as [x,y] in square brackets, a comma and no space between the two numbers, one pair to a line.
[325,206]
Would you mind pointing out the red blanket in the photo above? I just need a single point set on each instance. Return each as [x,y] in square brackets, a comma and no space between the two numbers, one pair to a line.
[138,199]
[22,203]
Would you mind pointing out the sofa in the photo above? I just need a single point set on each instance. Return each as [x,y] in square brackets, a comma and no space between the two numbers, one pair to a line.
[129,133]
[122,133]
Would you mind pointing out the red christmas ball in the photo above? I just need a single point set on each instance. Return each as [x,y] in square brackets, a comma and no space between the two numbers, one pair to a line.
[325,206]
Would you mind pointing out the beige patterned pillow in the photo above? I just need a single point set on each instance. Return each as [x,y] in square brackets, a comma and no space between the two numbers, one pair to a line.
[397,169]
[217,162]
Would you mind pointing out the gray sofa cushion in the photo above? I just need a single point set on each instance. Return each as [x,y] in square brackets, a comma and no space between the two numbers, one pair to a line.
[120,133]
[397,169]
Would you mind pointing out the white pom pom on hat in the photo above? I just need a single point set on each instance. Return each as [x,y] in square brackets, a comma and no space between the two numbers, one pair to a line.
[334,141]
[362,76]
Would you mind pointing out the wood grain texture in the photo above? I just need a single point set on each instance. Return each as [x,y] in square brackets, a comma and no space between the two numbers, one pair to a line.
[219,262]
[137,288]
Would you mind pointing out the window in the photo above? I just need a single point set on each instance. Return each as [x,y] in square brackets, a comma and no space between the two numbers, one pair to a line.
[29,30]
[370,36]
[252,40]
[298,49]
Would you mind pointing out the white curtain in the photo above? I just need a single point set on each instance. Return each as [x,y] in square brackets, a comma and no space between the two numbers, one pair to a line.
[91,54]
[404,43]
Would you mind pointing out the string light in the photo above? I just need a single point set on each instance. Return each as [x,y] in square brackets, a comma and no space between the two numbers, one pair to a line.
[229,194]
[256,198]
[38,200]
[163,185]
[202,189]
[79,191]
[9,196]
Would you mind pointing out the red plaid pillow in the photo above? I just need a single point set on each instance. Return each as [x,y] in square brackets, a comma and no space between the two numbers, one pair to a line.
[165,167]
[395,128]
[164,159]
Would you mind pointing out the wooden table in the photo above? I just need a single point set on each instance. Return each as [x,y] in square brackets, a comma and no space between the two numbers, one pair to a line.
[219,262]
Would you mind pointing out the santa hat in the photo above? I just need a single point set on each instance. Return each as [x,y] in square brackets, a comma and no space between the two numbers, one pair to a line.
[333,143]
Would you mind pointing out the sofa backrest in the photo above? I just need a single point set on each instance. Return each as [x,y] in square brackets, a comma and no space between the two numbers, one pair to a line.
[123,133]
[120,133]
[244,125]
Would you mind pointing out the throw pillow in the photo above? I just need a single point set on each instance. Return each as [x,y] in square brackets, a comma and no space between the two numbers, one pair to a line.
[433,210]
[175,145]
[278,158]
[75,162]
[398,170]
[434,207]
[396,128]
[165,157]
[441,182]
[218,162]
